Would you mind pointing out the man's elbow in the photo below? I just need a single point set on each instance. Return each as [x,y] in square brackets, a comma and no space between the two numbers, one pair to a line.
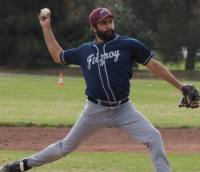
[56,59]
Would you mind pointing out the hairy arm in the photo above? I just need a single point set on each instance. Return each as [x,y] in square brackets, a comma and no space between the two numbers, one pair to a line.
[162,72]
[52,45]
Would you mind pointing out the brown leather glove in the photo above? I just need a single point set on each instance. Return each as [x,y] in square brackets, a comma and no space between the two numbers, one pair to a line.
[190,98]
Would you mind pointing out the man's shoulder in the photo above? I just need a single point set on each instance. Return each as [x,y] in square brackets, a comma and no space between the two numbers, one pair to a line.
[123,37]
[86,44]
[127,39]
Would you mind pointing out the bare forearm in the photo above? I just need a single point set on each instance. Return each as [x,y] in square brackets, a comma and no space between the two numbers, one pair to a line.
[53,46]
[162,72]
[167,76]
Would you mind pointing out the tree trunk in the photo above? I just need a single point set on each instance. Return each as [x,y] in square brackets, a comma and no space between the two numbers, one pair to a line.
[190,60]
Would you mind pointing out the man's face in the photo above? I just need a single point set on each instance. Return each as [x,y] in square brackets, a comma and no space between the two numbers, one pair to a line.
[105,29]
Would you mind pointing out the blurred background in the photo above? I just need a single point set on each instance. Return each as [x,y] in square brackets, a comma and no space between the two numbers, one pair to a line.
[171,29]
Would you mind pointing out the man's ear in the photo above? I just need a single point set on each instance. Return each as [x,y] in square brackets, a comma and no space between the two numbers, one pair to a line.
[92,29]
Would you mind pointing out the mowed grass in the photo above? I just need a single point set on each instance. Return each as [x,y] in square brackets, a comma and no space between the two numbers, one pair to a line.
[107,162]
[38,100]
[27,100]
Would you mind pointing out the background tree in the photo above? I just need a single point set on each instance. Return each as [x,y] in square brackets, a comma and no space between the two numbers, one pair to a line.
[174,24]
[78,30]
[180,28]
[165,25]
[22,42]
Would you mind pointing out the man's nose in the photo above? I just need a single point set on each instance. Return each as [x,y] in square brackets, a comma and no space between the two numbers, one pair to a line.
[109,25]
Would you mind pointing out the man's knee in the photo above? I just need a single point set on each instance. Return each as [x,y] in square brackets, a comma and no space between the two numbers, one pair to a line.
[154,136]
[67,147]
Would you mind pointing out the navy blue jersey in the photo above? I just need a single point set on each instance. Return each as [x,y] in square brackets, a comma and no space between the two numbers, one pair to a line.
[108,67]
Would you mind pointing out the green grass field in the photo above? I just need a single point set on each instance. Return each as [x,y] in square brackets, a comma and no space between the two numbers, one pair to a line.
[38,100]
[108,162]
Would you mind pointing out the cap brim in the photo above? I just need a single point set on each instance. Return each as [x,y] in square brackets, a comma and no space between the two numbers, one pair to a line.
[109,15]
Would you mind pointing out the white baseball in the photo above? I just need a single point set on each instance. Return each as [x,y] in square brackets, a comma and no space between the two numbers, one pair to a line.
[45,12]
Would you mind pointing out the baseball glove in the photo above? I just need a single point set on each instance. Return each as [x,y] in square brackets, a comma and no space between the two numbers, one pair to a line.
[190,98]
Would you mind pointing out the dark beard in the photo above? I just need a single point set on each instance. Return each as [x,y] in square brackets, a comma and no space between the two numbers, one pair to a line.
[104,36]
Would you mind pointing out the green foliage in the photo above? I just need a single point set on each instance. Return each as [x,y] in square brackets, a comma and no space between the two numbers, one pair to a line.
[163,25]
[22,39]
[145,10]
[126,23]
[177,26]
[174,24]
[78,31]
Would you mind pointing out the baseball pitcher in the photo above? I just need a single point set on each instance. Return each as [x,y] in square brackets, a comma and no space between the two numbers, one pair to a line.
[107,66]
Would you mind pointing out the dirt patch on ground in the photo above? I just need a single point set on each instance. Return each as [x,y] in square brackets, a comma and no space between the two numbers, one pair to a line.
[107,140]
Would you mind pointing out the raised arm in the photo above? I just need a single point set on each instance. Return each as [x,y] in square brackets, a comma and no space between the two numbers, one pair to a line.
[52,45]
[162,72]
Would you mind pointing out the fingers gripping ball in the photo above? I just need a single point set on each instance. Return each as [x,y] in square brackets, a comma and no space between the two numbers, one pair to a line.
[45,12]
[190,98]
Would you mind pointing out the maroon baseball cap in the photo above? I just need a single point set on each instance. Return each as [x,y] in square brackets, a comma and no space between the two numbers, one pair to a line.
[99,14]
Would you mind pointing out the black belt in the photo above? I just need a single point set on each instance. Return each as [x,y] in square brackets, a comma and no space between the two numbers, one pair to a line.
[108,104]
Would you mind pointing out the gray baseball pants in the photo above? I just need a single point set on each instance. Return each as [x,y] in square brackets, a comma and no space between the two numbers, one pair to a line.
[94,118]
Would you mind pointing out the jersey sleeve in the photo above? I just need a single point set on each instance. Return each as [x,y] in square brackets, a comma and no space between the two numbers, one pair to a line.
[70,56]
[141,53]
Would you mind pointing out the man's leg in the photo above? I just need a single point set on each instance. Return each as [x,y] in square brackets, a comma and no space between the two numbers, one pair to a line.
[90,122]
[87,125]
[79,133]
[132,122]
